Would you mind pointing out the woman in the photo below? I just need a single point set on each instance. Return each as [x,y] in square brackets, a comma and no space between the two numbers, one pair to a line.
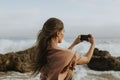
[55,63]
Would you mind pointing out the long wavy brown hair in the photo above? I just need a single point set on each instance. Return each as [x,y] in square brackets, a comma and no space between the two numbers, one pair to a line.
[49,31]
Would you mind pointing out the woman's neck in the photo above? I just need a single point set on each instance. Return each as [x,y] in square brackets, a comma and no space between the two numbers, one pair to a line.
[54,43]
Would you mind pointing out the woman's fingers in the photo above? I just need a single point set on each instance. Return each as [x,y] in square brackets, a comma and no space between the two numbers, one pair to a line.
[91,39]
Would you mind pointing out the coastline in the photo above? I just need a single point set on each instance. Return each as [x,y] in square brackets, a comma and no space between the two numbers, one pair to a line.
[82,72]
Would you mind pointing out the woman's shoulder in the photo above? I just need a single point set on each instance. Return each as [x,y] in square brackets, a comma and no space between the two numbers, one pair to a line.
[65,50]
[78,55]
[61,51]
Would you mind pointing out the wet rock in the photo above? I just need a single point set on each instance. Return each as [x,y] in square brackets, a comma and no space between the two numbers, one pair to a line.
[103,61]
[17,61]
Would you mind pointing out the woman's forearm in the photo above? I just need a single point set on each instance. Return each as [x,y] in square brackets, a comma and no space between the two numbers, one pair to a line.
[90,52]
[77,41]
[71,46]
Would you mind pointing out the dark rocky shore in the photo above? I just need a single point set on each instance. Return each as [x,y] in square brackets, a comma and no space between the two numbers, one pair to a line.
[103,61]
[21,61]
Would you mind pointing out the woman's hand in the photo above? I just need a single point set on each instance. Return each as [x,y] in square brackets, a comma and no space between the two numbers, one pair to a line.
[76,41]
[91,39]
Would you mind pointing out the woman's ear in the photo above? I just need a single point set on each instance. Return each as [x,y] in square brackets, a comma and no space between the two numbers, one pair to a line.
[58,34]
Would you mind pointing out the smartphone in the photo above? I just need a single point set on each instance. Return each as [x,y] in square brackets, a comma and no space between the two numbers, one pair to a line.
[84,37]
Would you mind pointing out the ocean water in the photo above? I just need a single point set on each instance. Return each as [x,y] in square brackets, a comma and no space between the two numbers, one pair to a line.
[82,72]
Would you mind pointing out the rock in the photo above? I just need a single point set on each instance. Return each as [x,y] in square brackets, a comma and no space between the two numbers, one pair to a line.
[101,53]
[103,61]
[21,61]
[17,61]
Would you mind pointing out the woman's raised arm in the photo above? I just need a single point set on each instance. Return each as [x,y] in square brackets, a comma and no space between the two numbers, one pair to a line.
[84,59]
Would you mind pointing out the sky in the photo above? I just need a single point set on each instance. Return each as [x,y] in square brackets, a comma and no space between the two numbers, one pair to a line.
[24,18]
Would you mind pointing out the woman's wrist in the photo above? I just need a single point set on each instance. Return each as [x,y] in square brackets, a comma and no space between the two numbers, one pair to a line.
[92,44]
[72,45]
